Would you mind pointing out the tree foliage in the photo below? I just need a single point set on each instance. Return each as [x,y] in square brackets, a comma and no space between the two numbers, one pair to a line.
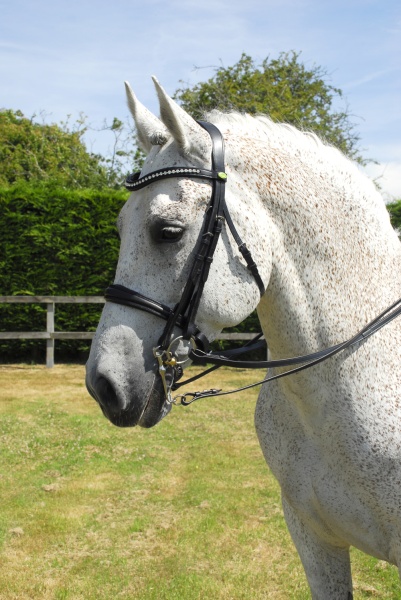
[285,89]
[41,152]
[35,152]
[124,156]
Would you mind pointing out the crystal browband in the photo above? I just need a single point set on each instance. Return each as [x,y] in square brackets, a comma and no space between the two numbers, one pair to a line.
[136,182]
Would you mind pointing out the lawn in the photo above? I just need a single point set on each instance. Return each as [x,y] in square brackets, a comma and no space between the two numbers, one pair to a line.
[186,510]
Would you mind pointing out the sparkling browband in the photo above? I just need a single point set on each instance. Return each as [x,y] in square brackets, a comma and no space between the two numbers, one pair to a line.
[136,182]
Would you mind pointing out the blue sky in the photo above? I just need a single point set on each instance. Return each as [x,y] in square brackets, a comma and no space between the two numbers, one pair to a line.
[70,57]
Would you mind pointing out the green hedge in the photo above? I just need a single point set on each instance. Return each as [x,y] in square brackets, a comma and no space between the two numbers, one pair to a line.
[57,242]
[395,214]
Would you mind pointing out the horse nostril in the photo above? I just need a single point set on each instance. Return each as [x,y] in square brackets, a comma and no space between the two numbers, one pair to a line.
[121,411]
[106,395]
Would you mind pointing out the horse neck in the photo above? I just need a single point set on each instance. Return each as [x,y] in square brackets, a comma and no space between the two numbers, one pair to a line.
[335,255]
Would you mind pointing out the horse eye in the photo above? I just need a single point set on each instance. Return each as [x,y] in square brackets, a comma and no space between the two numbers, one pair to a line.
[171,234]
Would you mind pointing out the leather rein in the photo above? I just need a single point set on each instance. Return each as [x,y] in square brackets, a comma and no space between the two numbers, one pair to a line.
[183,315]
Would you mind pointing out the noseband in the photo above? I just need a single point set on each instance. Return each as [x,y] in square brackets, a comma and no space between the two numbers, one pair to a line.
[183,315]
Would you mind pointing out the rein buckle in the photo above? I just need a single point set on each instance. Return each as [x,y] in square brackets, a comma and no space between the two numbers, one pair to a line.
[193,396]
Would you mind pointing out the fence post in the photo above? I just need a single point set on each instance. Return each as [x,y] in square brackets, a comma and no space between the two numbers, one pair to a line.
[50,329]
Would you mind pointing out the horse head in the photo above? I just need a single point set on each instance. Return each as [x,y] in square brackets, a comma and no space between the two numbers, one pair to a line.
[159,229]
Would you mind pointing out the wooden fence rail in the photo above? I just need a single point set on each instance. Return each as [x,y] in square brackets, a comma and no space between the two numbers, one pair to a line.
[50,335]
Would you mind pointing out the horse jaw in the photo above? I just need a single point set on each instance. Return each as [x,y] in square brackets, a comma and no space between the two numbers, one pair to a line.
[191,138]
[150,129]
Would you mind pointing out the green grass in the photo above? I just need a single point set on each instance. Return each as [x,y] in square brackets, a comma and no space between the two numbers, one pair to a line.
[186,510]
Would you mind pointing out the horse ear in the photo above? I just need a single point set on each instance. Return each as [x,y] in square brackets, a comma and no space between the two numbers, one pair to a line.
[150,129]
[191,138]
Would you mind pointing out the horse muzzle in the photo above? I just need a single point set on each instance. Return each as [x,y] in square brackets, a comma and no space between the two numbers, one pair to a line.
[128,406]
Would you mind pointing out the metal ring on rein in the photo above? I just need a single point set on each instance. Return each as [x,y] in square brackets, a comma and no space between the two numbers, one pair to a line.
[167,359]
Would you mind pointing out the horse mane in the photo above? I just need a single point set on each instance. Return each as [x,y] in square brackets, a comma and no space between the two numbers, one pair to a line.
[261,126]
[305,143]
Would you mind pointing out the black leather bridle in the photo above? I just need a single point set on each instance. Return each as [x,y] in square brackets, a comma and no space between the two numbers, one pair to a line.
[183,315]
